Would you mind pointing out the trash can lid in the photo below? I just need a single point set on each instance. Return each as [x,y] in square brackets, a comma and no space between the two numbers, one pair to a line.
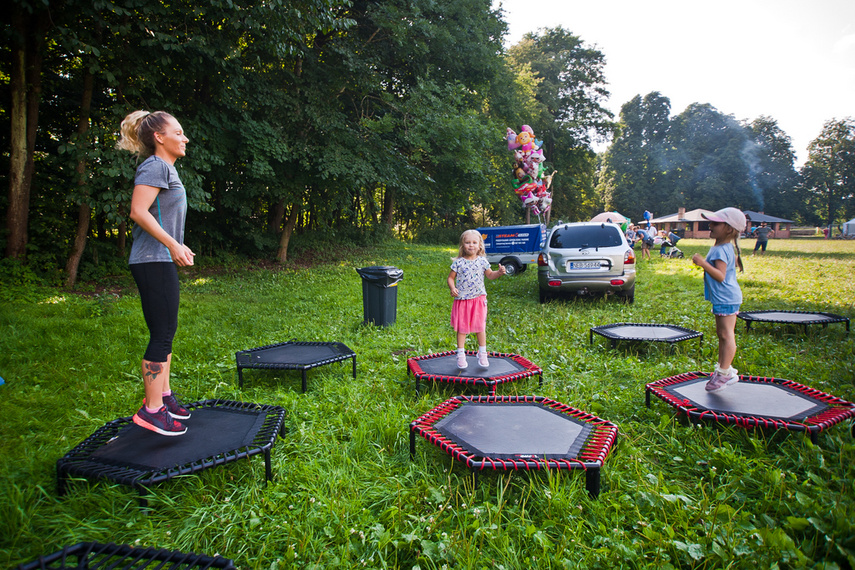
[381,274]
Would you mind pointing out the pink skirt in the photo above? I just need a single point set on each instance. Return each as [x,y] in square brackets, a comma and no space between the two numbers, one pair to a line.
[469,315]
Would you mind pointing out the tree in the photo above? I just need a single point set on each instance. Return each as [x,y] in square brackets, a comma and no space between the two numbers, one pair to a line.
[635,163]
[772,169]
[829,173]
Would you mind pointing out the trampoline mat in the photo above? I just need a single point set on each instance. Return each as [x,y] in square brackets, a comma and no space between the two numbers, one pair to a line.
[652,332]
[447,366]
[789,317]
[210,432]
[292,353]
[507,431]
[750,399]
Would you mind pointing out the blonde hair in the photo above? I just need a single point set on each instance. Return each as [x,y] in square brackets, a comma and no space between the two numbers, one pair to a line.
[733,235]
[137,131]
[461,253]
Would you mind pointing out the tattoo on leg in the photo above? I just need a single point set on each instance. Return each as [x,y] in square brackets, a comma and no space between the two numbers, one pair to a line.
[152,370]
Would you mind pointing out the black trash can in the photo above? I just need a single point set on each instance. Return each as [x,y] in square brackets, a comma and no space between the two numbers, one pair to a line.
[380,293]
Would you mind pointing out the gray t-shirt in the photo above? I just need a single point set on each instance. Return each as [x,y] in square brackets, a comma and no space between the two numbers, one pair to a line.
[169,209]
[763,233]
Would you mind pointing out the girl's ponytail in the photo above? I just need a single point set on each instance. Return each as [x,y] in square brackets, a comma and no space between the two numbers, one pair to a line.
[738,250]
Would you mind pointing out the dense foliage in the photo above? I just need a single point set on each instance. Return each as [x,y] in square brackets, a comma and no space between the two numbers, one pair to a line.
[354,119]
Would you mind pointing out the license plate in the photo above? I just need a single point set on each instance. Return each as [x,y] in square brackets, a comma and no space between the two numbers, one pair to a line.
[576,265]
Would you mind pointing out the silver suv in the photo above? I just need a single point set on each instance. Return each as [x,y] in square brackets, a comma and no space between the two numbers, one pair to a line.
[586,258]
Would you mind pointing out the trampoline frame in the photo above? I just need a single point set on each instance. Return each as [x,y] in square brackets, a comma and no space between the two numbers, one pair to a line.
[838,410]
[79,462]
[344,355]
[831,318]
[89,553]
[591,459]
[531,369]
[603,330]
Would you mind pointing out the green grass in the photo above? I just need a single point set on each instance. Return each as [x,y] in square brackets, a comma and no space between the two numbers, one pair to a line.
[346,493]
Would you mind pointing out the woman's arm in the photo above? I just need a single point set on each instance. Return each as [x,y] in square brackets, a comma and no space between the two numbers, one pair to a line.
[142,199]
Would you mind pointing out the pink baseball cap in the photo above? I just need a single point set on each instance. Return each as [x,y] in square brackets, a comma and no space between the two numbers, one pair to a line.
[733,217]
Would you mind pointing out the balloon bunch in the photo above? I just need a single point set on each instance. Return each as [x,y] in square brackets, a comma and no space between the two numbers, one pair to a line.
[529,182]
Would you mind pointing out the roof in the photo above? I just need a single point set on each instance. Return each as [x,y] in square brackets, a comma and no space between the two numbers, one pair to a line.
[759,217]
[690,216]
[695,216]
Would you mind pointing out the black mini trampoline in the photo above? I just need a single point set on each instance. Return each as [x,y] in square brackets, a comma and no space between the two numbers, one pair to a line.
[752,402]
[644,332]
[293,355]
[124,557]
[442,367]
[518,433]
[804,318]
[218,432]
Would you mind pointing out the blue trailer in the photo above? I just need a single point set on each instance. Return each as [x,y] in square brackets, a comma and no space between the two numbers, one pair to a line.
[514,246]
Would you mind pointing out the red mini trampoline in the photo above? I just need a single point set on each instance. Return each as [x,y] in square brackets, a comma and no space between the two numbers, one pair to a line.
[644,332]
[518,433]
[293,355]
[124,557]
[218,432]
[804,318]
[442,367]
[752,402]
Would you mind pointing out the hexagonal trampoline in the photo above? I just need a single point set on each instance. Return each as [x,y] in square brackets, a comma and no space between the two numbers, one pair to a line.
[218,432]
[442,367]
[293,355]
[644,332]
[752,402]
[518,433]
[124,557]
[804,318]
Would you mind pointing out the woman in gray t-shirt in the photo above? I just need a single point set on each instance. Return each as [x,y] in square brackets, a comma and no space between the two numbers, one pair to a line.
[158,209]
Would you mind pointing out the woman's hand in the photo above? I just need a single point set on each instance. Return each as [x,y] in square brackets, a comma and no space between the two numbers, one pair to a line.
[181,255]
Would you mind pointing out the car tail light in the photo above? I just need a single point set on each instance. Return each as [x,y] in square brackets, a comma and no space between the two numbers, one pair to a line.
[554,282]
[541,260]
[629,256]
[617,281]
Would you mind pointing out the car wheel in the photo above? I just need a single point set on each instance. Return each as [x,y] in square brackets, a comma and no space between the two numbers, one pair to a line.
[511,265]
[628,296]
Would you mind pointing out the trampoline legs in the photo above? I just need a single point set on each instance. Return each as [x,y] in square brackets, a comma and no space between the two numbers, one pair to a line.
[240,377]
[412,443]
[592,481]
[268,471]
[304,380]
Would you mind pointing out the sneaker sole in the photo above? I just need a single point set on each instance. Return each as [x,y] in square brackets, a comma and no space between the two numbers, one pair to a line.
[178,417]
[144,424]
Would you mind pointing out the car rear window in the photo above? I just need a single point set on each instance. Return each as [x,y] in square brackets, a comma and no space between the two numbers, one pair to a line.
[585,236]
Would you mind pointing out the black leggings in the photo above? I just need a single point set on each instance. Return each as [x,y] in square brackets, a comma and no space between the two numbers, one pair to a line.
[159,295]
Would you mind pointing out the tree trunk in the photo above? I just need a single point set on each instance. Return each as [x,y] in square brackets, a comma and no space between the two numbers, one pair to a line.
[25,90]
[276,216]
[282,253]
[84,212]
[389,206]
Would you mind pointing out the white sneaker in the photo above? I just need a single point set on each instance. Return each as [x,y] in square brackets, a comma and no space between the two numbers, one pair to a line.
[461,361]
[482,360]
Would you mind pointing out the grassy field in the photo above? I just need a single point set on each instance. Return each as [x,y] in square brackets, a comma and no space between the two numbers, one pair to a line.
[346,493]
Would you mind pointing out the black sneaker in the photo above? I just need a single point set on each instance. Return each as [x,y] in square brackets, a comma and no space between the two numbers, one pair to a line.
[175,409]
[159,422]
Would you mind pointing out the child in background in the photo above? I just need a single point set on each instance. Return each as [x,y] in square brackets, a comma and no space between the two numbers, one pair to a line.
[466,283]
[722,289]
